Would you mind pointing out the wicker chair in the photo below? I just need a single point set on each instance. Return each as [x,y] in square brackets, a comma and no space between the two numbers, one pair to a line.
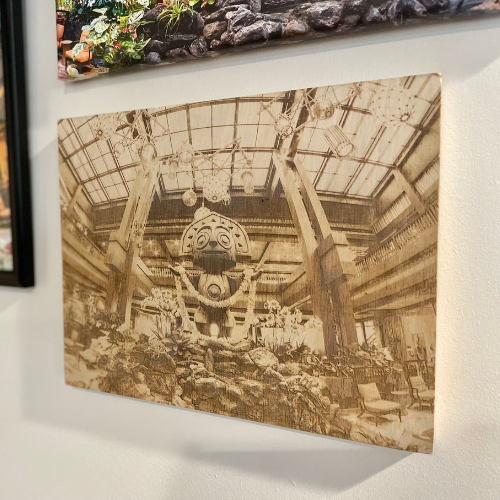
[420,393]
[371,402]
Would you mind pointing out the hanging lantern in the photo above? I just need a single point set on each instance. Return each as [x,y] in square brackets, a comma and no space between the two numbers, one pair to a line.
[189,198]
[323,109]
[393,106]
[103,127]
[186,154]
[173,165]
[119,149]
[148,153]
[247,179]
[283,125]
[214,189]
[339,143]
[201,213]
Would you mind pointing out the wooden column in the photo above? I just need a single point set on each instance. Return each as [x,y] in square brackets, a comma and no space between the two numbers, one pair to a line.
[327,256]
[124,244]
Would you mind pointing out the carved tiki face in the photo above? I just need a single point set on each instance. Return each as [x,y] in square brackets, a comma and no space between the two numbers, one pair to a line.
[213,248]
[215,242]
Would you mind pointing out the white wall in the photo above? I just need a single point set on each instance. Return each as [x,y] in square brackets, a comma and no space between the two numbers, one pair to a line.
[62,443]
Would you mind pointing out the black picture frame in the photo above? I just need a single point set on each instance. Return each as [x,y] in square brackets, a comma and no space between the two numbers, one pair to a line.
[19,191]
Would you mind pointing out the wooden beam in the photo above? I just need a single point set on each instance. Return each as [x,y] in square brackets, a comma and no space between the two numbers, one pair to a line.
[406,186]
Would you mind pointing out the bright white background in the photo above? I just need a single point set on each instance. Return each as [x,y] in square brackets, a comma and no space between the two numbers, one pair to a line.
[62,443]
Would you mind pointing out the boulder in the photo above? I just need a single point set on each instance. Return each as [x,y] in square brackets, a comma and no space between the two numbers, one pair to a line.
[234,391]
[253,387]
[220,15]
[161,383]
[153,58]
[263,358]
[260,31]
[255,5]
[224,355]
[348,22]
[206,388]
[180,41]
[182,372]
[274,29]
[435,5]
[199,48]
[209,356]
[246,363]
[373,16]
[190,21]
[162,363]
[177,54]
[150,29]
[177,401]
[156,46]
[403,9]
[278,5]
[228,369]
[295,28]
[324,15]
[214,30]
[218,45]
[90,356]
[354,7]
[235,2]
[272,377]
[240,19]
[199,371]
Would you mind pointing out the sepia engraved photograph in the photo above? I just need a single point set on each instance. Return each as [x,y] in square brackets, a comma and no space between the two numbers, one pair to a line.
[271,258]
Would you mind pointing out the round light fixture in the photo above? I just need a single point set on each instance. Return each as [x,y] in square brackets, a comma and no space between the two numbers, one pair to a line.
[189,198]
[186,154]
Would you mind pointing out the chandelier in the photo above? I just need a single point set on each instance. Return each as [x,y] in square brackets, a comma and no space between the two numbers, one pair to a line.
[340,145]
[319,108]
[393,106]
[129,130]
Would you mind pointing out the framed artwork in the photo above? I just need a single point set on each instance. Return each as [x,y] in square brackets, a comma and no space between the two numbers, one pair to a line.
[16,246]
[95,37]
[264,257]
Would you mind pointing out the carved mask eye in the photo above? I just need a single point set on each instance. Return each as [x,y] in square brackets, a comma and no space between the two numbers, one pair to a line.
[202,238]
[224,239]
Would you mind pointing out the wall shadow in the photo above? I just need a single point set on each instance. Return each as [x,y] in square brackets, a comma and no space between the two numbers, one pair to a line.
[334,470]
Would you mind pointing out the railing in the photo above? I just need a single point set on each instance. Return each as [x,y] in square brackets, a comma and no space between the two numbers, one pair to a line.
[81,233]
[271,278]
[410,232]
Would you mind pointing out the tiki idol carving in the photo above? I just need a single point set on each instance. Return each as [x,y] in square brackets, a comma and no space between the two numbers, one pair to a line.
[216,243]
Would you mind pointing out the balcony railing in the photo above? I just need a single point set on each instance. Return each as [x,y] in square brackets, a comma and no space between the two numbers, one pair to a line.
[402,238]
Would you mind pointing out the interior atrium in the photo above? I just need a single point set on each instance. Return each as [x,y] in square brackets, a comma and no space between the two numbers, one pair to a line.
[337,191]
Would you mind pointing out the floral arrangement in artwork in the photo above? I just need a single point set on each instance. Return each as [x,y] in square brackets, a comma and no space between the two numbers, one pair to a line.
[288,330]
[113,33]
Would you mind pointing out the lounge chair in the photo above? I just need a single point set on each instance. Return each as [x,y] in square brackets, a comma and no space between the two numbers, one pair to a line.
[371,402]
[420,392]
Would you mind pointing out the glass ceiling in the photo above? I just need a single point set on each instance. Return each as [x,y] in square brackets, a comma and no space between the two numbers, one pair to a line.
[233,135]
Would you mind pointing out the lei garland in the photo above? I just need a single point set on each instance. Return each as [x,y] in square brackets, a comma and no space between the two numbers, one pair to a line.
[249,316]
[223,304]
[182,306]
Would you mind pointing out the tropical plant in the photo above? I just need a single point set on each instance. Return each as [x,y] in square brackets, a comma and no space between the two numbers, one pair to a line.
[113,33]
[173,14]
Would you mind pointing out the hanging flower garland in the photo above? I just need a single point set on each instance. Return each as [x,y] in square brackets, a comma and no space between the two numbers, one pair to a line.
[223,304]
[182,306]
[249,316]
